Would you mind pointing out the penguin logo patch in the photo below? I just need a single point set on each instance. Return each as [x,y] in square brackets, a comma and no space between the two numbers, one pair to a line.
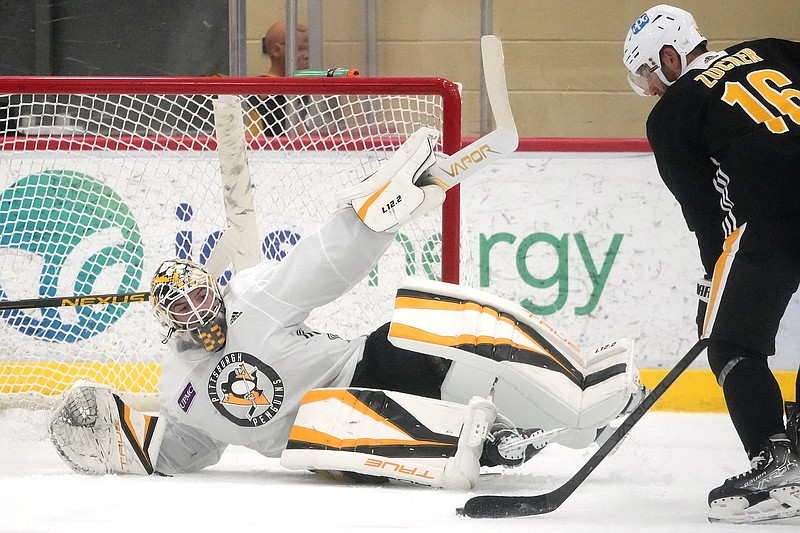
[245,390]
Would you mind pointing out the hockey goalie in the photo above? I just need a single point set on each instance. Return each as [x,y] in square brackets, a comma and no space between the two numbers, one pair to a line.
[457,380]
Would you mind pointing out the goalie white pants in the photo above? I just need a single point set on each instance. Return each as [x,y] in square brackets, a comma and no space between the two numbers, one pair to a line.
[386,366]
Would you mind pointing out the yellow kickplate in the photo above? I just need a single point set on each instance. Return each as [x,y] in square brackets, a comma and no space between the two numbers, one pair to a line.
[697,390]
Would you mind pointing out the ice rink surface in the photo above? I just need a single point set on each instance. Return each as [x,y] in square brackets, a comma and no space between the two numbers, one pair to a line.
[657,481]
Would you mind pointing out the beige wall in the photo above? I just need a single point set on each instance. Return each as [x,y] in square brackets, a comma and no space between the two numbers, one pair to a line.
[563,57]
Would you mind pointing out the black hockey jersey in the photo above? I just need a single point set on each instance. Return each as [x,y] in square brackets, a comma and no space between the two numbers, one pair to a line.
[726,137]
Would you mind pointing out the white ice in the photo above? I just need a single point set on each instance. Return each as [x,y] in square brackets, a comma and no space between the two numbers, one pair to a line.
[657,481]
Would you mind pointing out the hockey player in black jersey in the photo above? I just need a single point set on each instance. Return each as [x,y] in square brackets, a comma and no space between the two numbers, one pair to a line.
[726,138]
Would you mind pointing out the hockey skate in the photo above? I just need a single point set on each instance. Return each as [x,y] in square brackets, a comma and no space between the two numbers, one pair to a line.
[769,490]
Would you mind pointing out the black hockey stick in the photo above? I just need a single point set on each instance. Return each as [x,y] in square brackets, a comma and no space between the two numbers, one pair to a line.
[75,301]
[514,506]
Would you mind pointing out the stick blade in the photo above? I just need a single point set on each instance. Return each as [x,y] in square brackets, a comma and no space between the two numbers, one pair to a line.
[494,73]
[507,506]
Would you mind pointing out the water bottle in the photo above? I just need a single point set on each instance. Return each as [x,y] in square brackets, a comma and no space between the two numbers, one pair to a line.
[330,73]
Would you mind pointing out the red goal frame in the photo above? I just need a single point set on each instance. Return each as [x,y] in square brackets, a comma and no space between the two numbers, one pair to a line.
[445,89]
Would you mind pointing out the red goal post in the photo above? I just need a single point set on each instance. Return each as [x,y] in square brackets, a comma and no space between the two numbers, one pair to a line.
[102,178]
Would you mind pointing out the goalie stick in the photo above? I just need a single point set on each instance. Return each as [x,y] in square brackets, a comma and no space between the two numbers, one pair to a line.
[492,146]
[242,246]
[516,506]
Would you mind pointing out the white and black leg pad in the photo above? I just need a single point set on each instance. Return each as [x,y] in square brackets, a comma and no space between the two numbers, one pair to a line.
[96,432]
[390,435]
[538,378]
[389,198]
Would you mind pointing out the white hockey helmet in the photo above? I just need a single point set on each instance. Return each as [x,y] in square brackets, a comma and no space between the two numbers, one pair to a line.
[186,298]
[657,27]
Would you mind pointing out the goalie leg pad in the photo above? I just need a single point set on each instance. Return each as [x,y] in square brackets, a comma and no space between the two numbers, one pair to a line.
[389,198]
[390,435]
[96,432]
[537,377]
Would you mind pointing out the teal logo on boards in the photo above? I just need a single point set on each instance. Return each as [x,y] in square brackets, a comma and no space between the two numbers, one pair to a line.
[69,234]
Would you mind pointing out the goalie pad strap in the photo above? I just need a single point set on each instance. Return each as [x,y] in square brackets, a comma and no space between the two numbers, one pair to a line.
[389,434]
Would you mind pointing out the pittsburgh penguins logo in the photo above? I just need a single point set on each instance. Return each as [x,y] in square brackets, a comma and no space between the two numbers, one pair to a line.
[245,390]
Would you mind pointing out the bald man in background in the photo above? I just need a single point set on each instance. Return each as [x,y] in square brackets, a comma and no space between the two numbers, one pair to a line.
[274,45]
[267,115]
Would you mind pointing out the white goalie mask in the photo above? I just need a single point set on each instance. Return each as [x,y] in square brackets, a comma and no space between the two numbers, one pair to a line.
[187,299]
[657,27]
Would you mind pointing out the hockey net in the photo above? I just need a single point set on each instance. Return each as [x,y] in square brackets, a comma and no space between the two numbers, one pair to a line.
[102,179]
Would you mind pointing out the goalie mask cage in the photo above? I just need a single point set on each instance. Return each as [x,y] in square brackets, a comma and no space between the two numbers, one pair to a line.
[104,178]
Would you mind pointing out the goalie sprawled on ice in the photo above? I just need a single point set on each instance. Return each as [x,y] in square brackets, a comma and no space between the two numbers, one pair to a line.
[428,398]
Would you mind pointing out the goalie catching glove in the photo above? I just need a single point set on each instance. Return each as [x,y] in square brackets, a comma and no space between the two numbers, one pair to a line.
[391,197]
[95,432]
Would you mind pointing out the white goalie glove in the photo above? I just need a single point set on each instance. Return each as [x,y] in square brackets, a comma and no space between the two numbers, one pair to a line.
[96,432]
[391,197]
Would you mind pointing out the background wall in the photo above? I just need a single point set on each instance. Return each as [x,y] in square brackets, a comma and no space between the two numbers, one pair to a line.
[563,57]
[113,37]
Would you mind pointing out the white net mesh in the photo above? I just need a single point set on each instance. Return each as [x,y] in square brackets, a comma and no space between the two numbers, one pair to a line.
[98,189]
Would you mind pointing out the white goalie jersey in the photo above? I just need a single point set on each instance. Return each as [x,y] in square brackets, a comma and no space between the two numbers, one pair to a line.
[251,393]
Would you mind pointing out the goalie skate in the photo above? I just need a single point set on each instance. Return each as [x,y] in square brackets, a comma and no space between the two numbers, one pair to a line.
[769,490]
[95,432]
[511,446]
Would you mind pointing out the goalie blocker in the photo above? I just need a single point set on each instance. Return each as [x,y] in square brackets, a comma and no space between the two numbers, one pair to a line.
[394,194]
